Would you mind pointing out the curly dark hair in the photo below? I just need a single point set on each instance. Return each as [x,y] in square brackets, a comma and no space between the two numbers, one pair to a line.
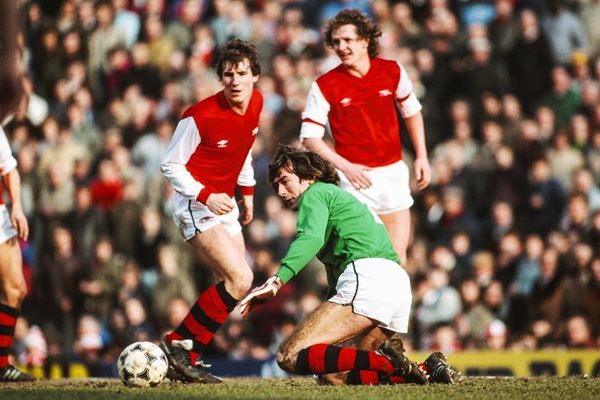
[234,52]
[304,163]
[365,28]
[11,85]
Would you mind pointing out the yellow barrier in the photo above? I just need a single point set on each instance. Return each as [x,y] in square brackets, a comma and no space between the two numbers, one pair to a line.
[524,363]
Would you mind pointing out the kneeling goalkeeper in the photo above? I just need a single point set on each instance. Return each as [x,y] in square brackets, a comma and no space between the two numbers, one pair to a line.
[369,292]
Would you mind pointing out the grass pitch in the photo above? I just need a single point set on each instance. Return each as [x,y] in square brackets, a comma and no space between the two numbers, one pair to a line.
[302,388]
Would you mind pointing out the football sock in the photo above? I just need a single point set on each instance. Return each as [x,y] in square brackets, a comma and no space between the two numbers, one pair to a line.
[372,378]
[206,316]
[324,359]
[8,319]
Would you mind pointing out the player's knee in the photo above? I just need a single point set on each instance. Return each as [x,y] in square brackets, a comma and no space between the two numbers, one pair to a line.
[286,359]
[14,293]
[241,283]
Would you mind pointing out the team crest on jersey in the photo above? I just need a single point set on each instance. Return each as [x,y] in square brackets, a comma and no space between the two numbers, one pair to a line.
[254,131]
[345,102]
[222,143]
[385,92]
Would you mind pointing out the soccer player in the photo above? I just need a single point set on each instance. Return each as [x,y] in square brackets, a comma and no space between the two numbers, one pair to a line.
[12,224]
[360,100]
[369,292]
[208,156]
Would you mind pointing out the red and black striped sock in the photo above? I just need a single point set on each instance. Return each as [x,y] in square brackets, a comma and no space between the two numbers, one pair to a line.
[324,359]
[365,377]
[8,319]
[206,316]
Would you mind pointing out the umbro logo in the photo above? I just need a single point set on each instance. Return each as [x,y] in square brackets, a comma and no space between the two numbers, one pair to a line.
[222,143]
[385,92]
[345,101]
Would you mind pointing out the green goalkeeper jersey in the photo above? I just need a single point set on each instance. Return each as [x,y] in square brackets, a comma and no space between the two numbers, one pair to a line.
[338,229]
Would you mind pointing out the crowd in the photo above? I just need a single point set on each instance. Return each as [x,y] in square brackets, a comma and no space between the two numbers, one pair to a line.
[505,248]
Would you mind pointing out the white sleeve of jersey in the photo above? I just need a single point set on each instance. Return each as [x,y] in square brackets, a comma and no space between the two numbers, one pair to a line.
[409,104]
[183,144]
[314,117]
[7,161]
[246,177]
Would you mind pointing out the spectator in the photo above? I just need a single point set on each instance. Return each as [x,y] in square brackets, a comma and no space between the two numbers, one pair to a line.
[564,31]
[474,319]
[439,303]
[579,333]
[546,198]
[101,280]
[563,99]
[529,62]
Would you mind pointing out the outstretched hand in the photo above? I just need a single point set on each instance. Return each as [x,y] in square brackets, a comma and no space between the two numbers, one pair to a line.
[260,295]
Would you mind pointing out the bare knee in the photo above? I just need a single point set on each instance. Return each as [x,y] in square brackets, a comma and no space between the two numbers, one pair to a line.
[13,293]
[286,359]
[240,282]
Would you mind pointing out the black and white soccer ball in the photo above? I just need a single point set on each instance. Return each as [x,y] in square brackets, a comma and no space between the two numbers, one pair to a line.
[142,364]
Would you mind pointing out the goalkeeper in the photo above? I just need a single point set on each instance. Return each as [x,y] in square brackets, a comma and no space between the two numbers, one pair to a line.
[369,292]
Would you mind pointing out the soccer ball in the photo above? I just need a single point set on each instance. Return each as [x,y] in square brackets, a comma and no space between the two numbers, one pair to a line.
[142,364]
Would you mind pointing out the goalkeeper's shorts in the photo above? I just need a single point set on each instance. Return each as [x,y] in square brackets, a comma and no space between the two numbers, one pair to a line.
[378,289]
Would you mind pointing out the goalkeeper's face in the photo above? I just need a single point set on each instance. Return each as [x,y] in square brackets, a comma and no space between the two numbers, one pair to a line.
[290,187]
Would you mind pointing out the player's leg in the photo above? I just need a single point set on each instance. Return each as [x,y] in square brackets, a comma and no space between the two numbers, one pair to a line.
[217,242]
[398,226]
[12,292]
[370,293]
[310,348]
[369,341]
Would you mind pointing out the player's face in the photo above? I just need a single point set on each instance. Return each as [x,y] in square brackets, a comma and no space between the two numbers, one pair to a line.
[290,187]
[238,83]
[348,46]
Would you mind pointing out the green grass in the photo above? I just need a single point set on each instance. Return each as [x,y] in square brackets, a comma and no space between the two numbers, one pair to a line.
[297,388]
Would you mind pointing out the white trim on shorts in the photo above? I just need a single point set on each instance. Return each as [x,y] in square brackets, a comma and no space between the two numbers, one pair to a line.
[6,229]
[192,217]
[379,289]
[389,192]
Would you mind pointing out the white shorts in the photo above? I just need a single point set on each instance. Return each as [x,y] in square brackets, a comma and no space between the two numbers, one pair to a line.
[389,192]
[378,289]
[6,229]
[192,217]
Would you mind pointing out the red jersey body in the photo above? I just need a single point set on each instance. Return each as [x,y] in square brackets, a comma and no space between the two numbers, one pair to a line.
[361,112]
[213,144]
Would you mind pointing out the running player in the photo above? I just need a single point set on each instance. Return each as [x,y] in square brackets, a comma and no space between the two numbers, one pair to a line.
[209,155]
[360,101]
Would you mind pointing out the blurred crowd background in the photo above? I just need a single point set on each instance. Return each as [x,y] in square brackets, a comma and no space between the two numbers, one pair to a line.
[506,244]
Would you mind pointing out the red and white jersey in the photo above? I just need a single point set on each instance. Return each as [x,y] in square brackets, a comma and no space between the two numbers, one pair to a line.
[361,112]
[7,161]
[210,151]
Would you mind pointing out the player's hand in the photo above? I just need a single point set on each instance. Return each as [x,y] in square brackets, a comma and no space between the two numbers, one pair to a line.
[422,172]
[247,212]
[357,176]
[219,203]
[260,295]
[19,222]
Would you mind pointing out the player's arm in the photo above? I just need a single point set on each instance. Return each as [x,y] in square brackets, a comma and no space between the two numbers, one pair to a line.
[410,107]
[183,144]
[246,183]
[314,119]
[313,215]
[12,181]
